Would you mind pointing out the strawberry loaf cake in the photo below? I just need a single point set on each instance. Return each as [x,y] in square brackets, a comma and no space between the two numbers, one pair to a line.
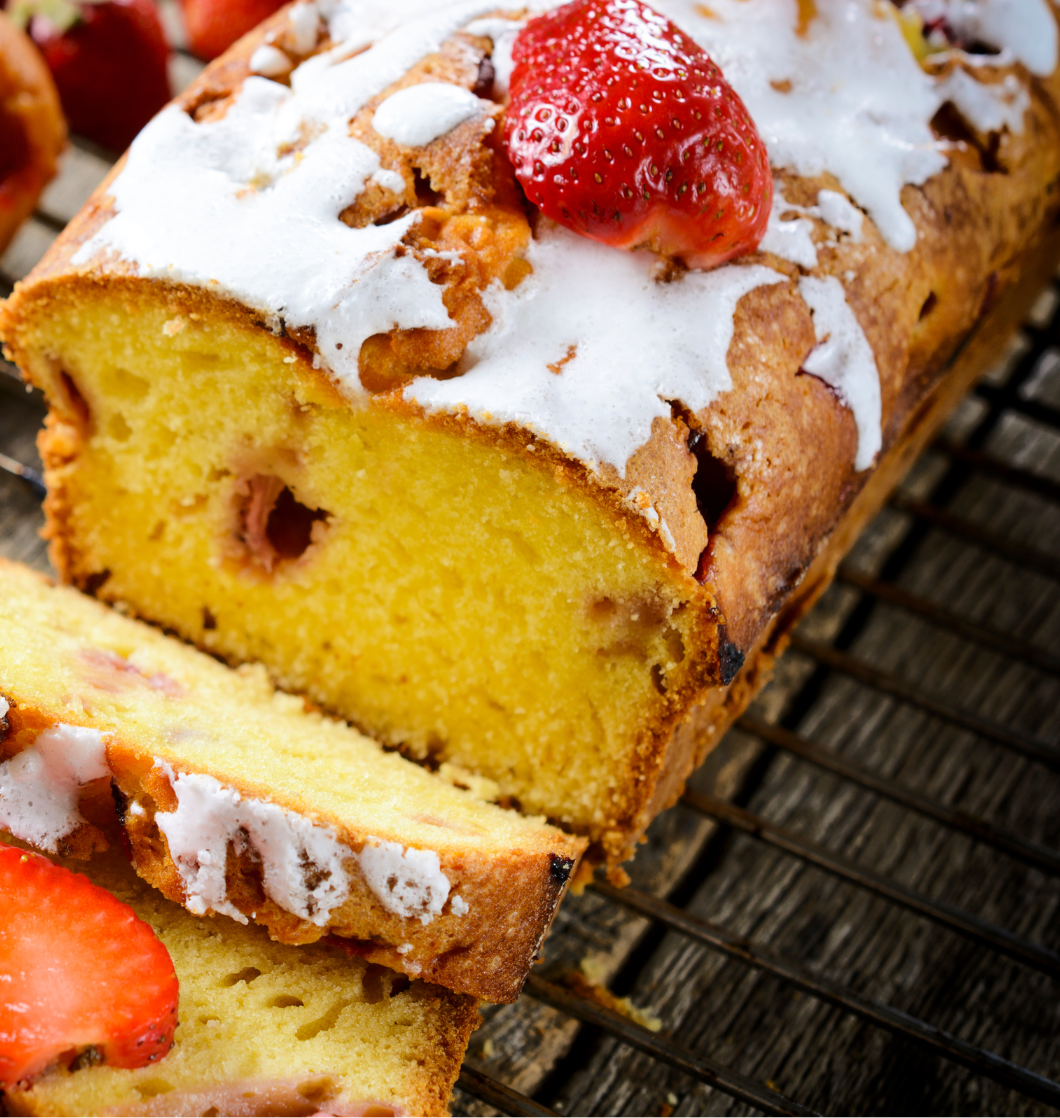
[145,1008]
[233,800]
[507,379]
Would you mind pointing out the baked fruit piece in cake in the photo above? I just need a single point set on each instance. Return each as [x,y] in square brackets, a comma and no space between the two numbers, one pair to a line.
[267,1028]
[235,801]
[328,394]
[32,129]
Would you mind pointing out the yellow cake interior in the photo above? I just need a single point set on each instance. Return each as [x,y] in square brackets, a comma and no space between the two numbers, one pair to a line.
[322,1024]
[446,593]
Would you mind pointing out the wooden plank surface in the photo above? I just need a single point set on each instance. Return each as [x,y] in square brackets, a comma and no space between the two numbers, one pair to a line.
[819,1055]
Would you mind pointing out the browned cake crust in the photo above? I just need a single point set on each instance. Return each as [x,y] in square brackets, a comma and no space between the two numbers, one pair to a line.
[60,664]
[785,515]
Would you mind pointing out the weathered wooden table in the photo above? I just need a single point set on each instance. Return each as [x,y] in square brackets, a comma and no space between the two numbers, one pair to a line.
[857,903]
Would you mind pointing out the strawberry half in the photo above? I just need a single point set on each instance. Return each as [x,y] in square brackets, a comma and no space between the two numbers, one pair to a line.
[109,59]
[82,977]
[622,129]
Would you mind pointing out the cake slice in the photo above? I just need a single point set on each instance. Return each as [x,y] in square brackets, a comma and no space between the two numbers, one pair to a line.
[327,392]
[267,1028]
[235,800]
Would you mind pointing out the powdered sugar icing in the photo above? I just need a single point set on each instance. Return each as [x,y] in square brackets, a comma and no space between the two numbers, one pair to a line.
[40,787]
[589,348]
[303,863]
[421,113]
[407,881]
[844,359]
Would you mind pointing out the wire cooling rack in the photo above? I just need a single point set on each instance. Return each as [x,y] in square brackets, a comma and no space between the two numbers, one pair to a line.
[856,906]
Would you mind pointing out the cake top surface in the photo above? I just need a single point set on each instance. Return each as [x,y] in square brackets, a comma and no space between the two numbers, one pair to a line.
[253,200]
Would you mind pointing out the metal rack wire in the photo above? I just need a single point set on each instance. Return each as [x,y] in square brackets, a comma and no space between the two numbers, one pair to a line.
[964,459]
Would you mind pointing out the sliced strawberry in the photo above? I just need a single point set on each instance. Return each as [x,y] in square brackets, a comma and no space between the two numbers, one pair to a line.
[622,129]
[82,977]
[214,25]
[109,61]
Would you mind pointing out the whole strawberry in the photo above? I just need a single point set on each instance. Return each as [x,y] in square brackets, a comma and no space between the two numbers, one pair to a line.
[82,978]
[214,25]
[622,129]
[108,59]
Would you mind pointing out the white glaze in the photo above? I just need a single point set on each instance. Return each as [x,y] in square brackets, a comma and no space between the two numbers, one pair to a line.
[793,240]
[209,817]
[40,787]
[837,210]
[1021,29]
[408,882]
[269,61]
[418,114]
[844,359]
[503,32]
[790,240]
[304,20]
[638,344]
[859,105]
[5,706]
[988,107]
[458,906]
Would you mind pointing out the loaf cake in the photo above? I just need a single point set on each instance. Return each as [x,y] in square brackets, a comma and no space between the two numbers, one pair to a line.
[236,801]
[32,129]
[327,393]
[267,1028]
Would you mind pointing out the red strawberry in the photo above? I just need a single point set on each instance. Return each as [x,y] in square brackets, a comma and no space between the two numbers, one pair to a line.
[622,129]
[214,25]
[109,61]
[81,975]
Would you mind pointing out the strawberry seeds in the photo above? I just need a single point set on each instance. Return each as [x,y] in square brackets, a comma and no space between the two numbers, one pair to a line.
[622,129]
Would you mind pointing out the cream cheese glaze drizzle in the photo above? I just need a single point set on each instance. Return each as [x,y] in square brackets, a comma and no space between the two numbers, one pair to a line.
[40,786]
[845,96]
[210,817]
[619,343]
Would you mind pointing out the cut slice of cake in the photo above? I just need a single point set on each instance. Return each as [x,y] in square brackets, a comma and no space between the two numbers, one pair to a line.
[328,393]
[267,1028]
[234,800]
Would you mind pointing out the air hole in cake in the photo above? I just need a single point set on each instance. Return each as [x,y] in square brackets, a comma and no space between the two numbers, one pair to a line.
[94,582]
[247,975]
[658,679]
[209,622]
[949,124]
[286,1001]
[322,1024]
[118,429]
[274,526]
[319,1090]
[714,483]
[426,195]
[373,983]
[484,80]
[393,215]
[929,305]
[76,406]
